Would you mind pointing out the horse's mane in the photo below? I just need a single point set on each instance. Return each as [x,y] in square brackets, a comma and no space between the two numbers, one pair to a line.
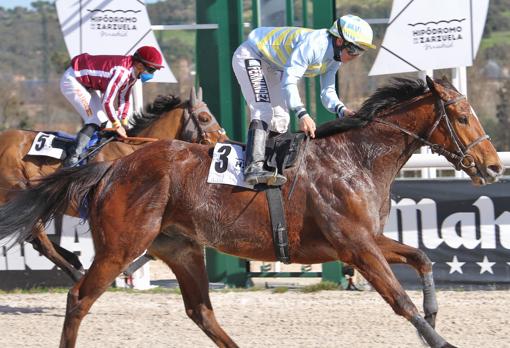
[154,111]
[398,91]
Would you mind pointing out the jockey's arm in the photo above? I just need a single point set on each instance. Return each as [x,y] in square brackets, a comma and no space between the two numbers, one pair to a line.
[124,102]
[112,91]
[329,97]
[293,71]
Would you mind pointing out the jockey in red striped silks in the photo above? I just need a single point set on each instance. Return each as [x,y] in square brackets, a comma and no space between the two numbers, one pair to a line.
[99,86]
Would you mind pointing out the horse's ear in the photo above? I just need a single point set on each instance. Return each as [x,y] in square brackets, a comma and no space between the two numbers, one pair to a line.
[193,97]
[199,97]
[430,82]
[433,86]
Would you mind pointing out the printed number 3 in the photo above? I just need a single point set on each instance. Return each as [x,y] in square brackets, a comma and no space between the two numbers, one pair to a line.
[222,165]
[41,141]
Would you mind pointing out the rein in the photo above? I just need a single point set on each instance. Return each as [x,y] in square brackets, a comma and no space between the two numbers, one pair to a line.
[109,140]
[142,139]
[461,158]
[298,167]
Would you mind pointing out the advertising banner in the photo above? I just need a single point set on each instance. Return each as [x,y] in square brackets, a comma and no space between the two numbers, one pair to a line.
[116,27]
[431,34]
[465,230]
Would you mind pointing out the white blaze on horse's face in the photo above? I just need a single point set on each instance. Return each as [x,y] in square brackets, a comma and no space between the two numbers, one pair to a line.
[473,112]
[462,134]
[487,167]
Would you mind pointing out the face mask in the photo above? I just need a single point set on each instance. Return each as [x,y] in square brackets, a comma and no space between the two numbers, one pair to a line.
[146,77]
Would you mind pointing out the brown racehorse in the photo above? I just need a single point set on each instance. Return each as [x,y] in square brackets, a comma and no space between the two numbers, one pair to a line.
[166,118]
[158,198]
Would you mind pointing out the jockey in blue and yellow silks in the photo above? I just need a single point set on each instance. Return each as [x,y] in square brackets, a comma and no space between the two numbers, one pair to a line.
[268,66]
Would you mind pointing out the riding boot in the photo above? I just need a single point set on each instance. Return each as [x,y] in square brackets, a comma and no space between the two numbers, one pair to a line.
[254,172]
[82,139]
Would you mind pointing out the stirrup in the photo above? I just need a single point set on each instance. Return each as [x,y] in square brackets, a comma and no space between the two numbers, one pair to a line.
[276,179]
[70,161]
[266,177]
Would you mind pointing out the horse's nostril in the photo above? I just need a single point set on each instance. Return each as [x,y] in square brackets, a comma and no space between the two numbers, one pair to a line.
[496,169]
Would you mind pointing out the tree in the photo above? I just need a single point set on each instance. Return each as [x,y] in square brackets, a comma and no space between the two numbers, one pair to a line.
[503,116]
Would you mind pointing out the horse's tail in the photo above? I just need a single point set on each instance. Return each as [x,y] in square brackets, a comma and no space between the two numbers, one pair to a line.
[51,195]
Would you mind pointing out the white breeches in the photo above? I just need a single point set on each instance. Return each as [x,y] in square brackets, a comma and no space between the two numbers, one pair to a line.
[261,89]
[89,104]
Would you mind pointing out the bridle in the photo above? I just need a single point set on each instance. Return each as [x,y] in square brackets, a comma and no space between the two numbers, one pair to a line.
[193,130]
[460,158]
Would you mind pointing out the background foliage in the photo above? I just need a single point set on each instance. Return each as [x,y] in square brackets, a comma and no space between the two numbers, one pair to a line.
[33,56]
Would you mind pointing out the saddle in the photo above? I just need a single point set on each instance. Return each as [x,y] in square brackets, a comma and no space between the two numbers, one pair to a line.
[282,150]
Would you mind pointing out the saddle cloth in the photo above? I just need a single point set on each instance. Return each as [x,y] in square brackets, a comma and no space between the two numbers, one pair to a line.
[227,163]
[57,144]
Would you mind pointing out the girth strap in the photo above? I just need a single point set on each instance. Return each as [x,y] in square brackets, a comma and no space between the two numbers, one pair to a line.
[278,224]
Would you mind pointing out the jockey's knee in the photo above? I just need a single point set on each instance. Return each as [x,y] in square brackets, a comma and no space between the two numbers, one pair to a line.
[280,120]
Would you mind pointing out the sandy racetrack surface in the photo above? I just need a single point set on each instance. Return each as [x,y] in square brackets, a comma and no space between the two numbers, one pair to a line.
[256,319]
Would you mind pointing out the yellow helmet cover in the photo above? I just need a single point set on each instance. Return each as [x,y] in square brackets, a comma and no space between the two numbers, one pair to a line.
[353,29]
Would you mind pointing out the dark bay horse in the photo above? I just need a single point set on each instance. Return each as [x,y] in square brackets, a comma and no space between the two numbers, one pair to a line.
[158,198]
[166,118]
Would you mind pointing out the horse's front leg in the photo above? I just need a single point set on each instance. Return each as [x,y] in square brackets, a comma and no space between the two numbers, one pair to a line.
[395,252]
[186,259]
[353,238]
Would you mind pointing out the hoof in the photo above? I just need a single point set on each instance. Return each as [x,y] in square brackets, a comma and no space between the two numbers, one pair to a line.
[448,345]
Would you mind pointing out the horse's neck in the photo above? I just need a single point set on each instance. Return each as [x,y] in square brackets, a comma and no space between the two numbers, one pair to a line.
[377,152]
[168,126]
[397,147]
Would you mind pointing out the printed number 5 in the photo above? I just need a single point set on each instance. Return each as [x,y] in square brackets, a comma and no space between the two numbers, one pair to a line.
[222,165]
[41,141]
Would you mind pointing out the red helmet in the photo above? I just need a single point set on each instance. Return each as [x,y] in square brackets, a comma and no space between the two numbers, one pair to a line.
[149,56]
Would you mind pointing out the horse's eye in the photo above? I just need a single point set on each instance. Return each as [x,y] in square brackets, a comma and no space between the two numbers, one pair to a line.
[203,118]
[463,119]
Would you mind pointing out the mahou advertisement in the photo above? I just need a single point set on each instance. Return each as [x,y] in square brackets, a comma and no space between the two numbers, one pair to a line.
[465,230]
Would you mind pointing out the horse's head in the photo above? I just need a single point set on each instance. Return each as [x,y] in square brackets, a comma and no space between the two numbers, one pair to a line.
[200,125]
[458,135]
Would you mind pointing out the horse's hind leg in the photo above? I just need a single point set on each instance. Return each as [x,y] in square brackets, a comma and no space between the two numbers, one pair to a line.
[111,258]
[83,294]
[395,252]
[44,245]
[117,242]
[186,259]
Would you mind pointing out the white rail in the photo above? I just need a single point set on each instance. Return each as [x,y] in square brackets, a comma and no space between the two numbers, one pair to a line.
[419,161]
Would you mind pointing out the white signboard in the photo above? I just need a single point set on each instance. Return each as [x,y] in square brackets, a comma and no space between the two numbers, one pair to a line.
[431,34]
[116,27]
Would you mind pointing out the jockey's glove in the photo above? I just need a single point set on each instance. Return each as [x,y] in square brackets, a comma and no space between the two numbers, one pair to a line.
[116,124]
[125,122]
